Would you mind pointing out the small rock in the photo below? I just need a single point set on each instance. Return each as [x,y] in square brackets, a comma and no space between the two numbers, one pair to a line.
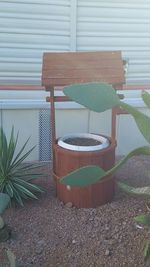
[68,187]
[96,224]
[107,252]
[39,250]
[139,226]
[107,228]
[93,212]
[69,205]
[41,242]
[73,241]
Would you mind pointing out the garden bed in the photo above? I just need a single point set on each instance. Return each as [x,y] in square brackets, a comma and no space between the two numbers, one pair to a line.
[47,233]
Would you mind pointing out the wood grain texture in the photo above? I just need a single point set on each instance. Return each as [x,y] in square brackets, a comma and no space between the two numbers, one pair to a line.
[89,196]
[60,69]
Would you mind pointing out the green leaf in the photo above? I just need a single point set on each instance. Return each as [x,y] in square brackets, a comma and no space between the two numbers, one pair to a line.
[142,120]
[20,152]
[3,148]
[24,190]
[28,185]
[142,191]
[9,189]
[4,201]
[146,98]
[17,197]
[147,251]
[11,146]
[94,96]
[18,160]
[84,176]
[143,219]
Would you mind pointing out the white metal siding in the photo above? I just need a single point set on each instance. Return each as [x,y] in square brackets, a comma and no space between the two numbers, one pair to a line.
[27,29]
[118,25]
[30,27]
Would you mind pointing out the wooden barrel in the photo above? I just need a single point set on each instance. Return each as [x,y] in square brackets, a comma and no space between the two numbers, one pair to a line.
[66,161]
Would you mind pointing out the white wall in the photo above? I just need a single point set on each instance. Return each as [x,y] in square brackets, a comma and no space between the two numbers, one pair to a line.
[23,113]
[28,28]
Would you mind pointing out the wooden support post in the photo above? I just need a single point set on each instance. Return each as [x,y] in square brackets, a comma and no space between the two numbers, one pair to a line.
[52,120]
[113,125]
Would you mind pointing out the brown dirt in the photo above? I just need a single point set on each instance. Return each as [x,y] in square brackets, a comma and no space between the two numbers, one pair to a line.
[49,234]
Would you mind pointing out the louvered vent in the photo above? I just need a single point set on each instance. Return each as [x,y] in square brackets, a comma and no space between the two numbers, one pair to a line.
[45,141]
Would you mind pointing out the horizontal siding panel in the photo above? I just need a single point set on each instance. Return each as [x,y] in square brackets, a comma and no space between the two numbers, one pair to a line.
[16,79]
[113,28]
[109,20]
[107,12]
[21,67]
[114,42]
[117,25]
[41,24]
[19,74]
[30,8]
[35,16]
[33,39]
[138,4]
[27,29]
[34,46]
[137,54]
[43,2]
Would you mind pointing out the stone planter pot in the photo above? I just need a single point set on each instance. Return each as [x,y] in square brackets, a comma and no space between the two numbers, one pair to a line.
[69,157]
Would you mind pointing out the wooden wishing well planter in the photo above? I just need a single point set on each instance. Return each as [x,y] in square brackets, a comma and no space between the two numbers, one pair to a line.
[60,69]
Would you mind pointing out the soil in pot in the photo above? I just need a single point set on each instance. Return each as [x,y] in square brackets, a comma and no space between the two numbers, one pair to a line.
[82,141]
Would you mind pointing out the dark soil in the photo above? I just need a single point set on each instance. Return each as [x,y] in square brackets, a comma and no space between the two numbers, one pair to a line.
[80,141]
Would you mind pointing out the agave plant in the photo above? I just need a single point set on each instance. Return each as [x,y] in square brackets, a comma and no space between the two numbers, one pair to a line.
[16,176]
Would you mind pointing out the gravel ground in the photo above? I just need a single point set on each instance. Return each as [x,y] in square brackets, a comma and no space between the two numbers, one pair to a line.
[49,234]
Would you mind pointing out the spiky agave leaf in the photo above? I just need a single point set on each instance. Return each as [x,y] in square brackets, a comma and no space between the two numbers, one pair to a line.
[15,176]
